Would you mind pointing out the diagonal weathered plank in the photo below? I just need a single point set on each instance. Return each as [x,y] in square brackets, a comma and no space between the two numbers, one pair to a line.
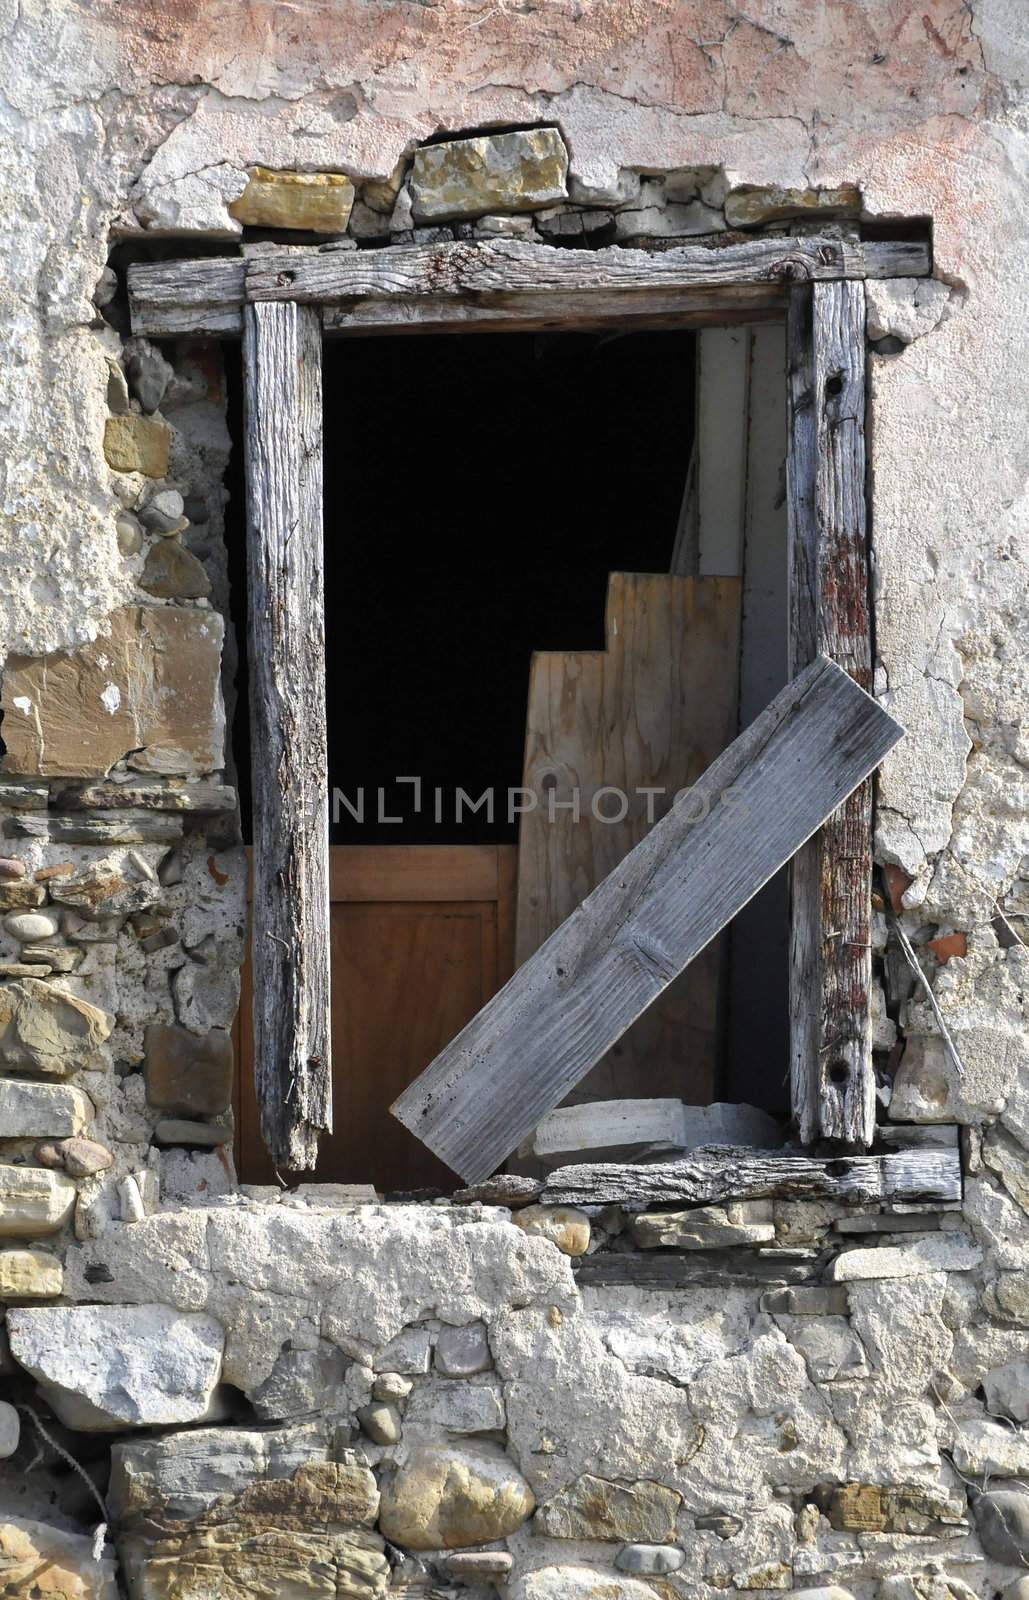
[753,808]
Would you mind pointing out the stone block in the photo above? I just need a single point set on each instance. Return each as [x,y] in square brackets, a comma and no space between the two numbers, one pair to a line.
[45,1031]
[750,207]
[565,1226]
[392,1387]
[938,1253]
[448,1497]
[478,1566]
[575,1582]
[33,1201]
[650,1560]
[240,1513]
[409,1352]
[805,1301]
[137,444]
[830,1347]
[28,926]
[984,1449]
[148,690]
[462,1352]
[30,1275]
[196,1135]
[21,896]
[668,222]
[42,1110]
[51,1564]
[497,172]
[187,1074]
[1002,1518]
[703,1228]
[457,1407]
[171,572]
[308,202]
[381,1422]
[114,1367]
[10,1432]
[300,1383]
[83,1158]
[594,1508]
[905,309]
[1007,1390]
[891,1508]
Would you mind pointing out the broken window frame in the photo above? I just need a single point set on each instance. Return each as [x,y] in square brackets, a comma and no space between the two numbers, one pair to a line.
[281,300]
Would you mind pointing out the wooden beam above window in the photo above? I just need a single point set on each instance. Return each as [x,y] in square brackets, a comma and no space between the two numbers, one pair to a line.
[500,282]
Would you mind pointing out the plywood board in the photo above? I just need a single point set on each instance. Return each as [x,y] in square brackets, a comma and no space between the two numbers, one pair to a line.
[643,718]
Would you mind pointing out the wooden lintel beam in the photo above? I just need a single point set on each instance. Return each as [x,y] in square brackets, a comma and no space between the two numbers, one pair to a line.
[286,659]
[512,267]
[495,283]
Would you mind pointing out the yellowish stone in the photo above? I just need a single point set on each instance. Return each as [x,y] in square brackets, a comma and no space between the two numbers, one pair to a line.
[501,172]
[310,202]
[137,444]
[30,1275]
[564,1226]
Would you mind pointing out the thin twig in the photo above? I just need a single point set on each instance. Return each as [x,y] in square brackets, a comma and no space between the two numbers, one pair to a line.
[913,963]
[1013,931]
[100,1532]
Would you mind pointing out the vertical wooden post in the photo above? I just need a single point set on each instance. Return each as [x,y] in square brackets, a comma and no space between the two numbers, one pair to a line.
[286,659]
[831,1074]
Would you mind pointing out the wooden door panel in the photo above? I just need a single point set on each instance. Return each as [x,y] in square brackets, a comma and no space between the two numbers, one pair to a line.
[421,938]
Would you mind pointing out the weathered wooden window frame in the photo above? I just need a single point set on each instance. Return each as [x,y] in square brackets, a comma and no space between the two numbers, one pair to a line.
[282,300]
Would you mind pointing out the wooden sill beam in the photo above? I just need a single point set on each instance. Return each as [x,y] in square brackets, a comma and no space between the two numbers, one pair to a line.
[707,1177]
[498,283]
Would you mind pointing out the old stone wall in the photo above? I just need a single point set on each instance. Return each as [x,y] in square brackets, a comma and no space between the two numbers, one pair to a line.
[317,1394]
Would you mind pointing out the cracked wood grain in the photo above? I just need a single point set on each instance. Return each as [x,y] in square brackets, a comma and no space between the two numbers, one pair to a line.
[286,659]
[490,284]
[831,1074]
[602,968]
[514,267]
[722,1173]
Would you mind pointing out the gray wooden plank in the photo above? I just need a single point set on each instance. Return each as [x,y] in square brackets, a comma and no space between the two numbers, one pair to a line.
[832,1079]
[513,267]
[286,657]
[413,288]
[747,815]
[557,311]
[708,1176]
[205,296]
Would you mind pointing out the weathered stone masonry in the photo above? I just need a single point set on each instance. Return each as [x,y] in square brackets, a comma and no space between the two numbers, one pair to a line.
[315,1393]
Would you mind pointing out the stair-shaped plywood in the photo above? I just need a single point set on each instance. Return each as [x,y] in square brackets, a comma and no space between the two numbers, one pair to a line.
[648,713]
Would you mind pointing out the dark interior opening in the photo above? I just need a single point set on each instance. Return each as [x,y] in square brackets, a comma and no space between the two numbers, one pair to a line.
[478,491]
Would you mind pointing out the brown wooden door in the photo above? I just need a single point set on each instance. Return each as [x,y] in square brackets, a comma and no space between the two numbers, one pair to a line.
[421,936]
